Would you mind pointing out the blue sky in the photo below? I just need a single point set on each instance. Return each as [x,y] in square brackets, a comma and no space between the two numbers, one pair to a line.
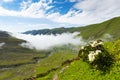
[23,15]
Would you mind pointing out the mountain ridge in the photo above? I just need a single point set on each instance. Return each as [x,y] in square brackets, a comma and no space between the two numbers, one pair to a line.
[93,31]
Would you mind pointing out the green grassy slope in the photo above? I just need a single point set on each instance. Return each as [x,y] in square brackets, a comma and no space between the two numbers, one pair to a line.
[93,31]
[18,63]
[111,27]
[53,62]
[12,54]
[79,70]
[30,70]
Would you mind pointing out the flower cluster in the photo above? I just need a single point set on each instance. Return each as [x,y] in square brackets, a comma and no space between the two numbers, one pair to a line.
[96,43]
[91,50]
[95,54]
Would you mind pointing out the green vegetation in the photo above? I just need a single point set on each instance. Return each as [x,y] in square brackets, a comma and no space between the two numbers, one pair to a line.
[12,53]
[51,63]
[62,63]
[17,62]
[94,31]
[48,31]
[79,69]
[29,70]
[97,56]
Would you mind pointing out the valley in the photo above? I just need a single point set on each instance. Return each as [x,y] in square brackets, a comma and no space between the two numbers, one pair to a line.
[59,62]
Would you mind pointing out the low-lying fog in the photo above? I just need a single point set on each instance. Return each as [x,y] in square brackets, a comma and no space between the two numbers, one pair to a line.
[41,42]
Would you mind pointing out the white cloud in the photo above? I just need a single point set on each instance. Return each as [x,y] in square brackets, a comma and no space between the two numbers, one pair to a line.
[5,12]
[99,10]
[8,0]
[72,0]
[2,44]
[47,41]
[29,9]
[94,11]
[24,5]
[35,10]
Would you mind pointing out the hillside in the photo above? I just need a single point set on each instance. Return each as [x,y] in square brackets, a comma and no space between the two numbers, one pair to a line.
[69,68]
[13,56]
[48,31]
[81,70]
[111,27]
[11,50]
[18,63]
[93,31]
[4,34]
[11,44]
[59,63]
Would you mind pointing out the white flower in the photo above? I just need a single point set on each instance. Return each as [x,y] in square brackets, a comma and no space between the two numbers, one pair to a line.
[91,56]
[82,47]
[97,52]
[96,43]
[100,43]
[93,44]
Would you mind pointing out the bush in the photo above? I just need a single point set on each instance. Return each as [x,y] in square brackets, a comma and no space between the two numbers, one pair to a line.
[96,55]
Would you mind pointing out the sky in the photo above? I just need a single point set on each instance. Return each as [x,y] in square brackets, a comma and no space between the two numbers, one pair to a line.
[24,15]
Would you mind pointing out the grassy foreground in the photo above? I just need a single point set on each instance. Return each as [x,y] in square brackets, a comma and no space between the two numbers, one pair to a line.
[30,67]
[79,70]
[51,68]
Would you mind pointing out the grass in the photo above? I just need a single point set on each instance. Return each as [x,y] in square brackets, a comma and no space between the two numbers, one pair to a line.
[94,31]
[17,62]
[29,70]
[12,54]
[23,60]
[53,61]
[18,73]
[114,48]
[17,58]
[79,70]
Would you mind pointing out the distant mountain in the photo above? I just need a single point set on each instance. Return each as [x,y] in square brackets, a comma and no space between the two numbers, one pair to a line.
[93,31]
[4,34]
[11,44]
[48,31]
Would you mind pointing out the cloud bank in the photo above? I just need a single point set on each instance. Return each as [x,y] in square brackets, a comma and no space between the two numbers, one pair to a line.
[2,44]
[41,42]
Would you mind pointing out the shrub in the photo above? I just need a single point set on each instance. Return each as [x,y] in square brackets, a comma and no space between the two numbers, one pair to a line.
[96,55]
